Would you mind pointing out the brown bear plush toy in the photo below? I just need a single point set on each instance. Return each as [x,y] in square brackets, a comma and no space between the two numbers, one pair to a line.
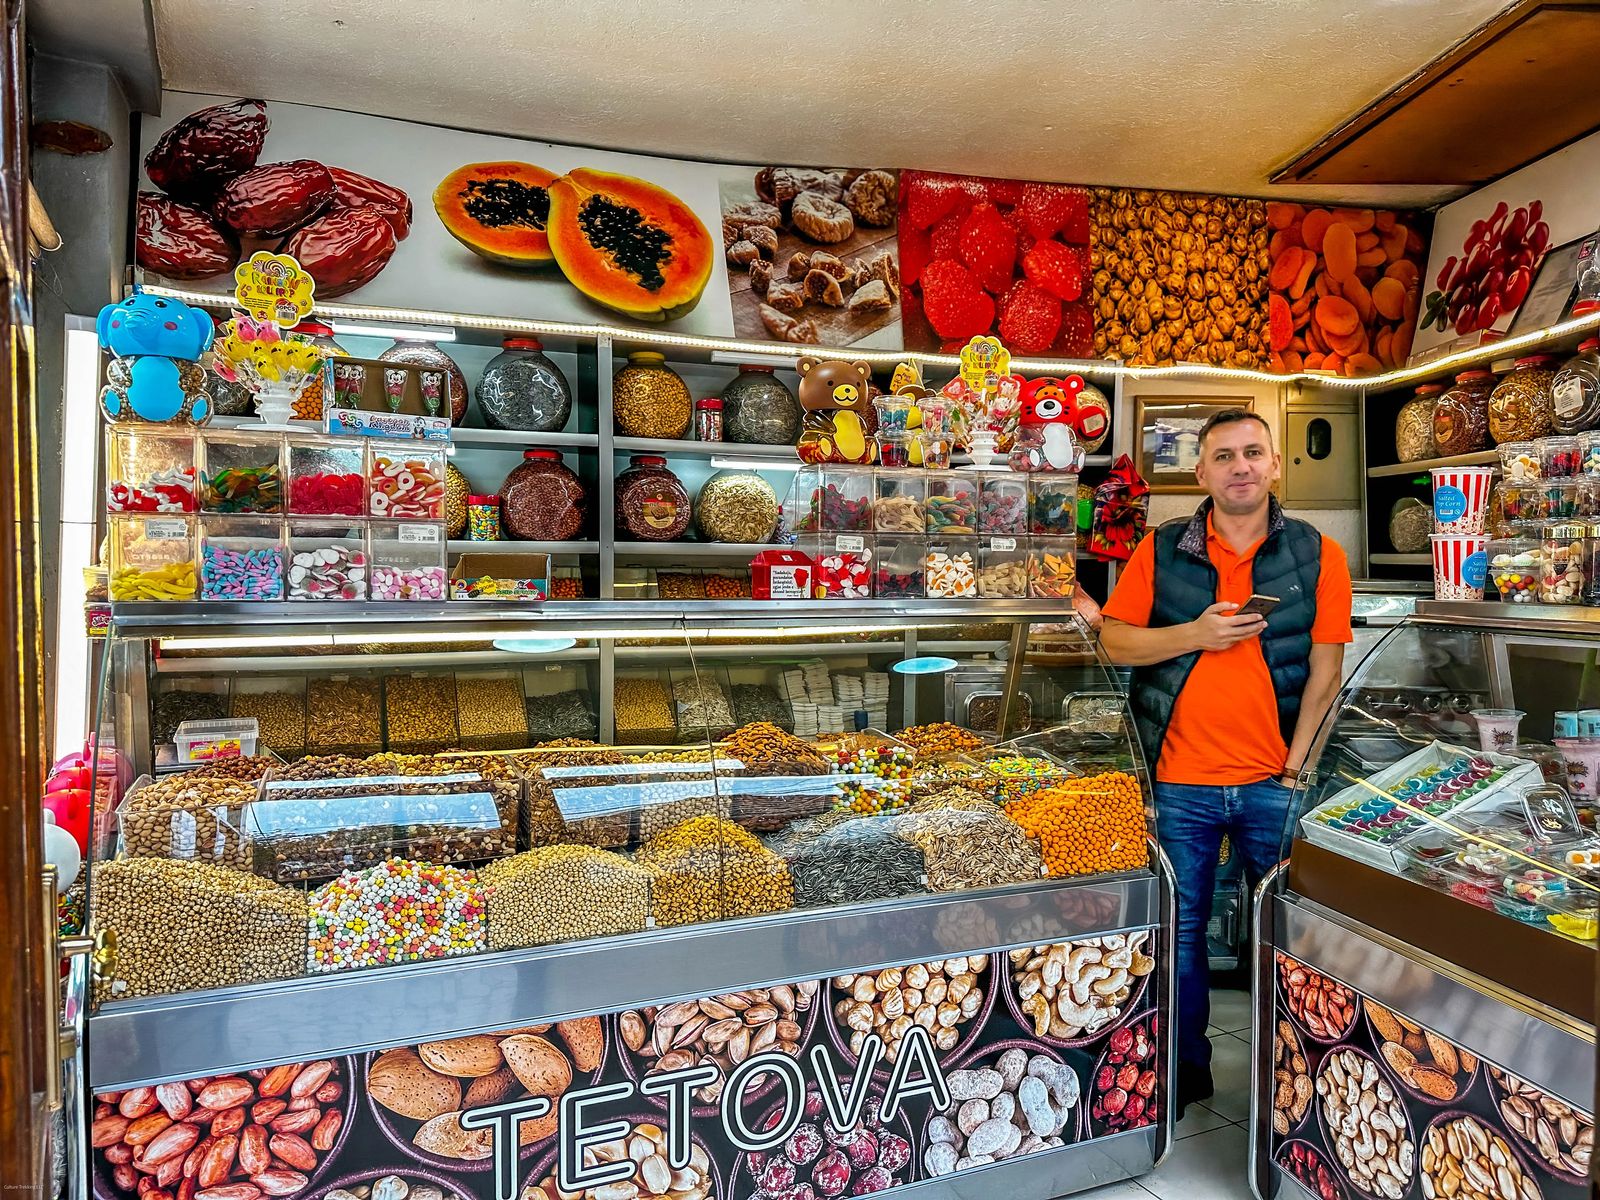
[834,394]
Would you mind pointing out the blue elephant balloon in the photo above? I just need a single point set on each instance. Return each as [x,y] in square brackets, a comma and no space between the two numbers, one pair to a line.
[156,374]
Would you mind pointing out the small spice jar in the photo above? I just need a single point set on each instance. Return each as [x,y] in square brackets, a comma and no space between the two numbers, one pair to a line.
[649,400]
[1413,425]
[1521,405]
[759,409]
[1561,580]
[708,420]
[652,503]
[1461,417]
[522,389]
[1575,390]
[542,500]
[483,518]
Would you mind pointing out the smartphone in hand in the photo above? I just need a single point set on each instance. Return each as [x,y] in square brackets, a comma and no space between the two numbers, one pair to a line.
[1258,606]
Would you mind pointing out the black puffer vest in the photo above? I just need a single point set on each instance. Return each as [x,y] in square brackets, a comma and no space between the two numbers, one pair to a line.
[1287,565]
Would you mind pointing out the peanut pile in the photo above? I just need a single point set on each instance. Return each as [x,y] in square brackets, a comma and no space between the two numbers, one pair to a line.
[707,870]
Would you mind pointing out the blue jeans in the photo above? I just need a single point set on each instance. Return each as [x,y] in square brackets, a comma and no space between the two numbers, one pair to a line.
[1190,821]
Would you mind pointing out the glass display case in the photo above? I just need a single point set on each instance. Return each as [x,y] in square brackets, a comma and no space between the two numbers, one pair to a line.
[1425,958]
[683,837]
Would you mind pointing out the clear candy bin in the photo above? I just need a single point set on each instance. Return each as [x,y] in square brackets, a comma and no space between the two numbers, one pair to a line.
[407,561]
[1514,569]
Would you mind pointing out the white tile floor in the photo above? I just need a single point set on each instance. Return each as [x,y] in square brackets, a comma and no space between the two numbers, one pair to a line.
[1209,1161]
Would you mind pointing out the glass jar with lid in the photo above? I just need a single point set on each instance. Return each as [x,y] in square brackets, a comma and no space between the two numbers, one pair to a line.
[522,389]
[1410,523]
[1575,390]
[317,392]
[652,503]
[1461,416]
[736,506]
[542,500]
[1561,579]
[1520,462]
[1413,425]
[1521,406]
[649,399]
[759,409]
[417,352]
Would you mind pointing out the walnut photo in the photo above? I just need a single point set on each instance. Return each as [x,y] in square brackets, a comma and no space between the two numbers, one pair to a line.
[811,255]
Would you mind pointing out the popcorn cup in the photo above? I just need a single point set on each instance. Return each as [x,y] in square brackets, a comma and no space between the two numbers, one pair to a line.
[1460,498]
[1460,566]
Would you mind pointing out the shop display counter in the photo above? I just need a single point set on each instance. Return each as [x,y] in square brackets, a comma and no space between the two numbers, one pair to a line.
[818,916]
[1425,957]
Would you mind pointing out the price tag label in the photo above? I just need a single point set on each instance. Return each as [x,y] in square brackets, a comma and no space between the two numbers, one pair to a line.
[419,533]
[1551,815]
[166,531]
[1001,543]
[849,543]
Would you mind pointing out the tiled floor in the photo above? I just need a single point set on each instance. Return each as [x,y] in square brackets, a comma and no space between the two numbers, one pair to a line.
[1209,1161]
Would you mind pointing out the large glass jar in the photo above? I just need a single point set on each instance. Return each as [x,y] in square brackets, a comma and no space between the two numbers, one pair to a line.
[456,491]
[652,503]
[426,354]
[649,400]
[736,506]
[1461,416]
[1413,425]
[1521,406]
[759,409]
[542,500]
[522,389]
[1410,523]
[1575,390]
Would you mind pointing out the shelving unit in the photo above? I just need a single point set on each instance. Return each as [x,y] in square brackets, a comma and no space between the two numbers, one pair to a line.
[1485,458]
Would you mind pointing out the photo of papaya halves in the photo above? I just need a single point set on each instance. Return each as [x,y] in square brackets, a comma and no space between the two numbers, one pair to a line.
[498,210]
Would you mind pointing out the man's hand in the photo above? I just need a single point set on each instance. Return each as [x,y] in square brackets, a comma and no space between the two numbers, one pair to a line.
[1218,629]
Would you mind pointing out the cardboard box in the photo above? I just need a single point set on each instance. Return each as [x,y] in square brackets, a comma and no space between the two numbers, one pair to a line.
[781,575]
[364,410]
[524,577]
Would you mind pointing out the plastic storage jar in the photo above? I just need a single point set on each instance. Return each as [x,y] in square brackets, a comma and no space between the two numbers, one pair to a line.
[1052,567]
[542,500]
[1410,523]
[150,470]
[408,561]
[326,478]
[759,409]
[406,481]
[1575,390]
[1461,417]
[1413,425]
[1561,578]
[1560,457]
[241,472]
[152,558]
[1003,568]
[736,506]
[327,560]
[1003,503]
[241,558]
[649,400]
[1514,569]
[426,354]
[522,389]
[1521,501]
[899,573]
[1520,462]
[652,503]
[1560,499]
[1521,406]
[900,504]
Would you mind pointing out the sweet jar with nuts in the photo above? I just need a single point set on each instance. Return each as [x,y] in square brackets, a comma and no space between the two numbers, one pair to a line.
[721,1031]
[947,997]
[1069,992]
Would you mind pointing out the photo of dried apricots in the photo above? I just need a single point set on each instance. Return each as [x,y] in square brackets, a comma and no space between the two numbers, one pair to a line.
[1345,287]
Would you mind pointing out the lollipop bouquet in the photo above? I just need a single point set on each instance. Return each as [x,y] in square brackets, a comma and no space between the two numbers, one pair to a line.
[272,364]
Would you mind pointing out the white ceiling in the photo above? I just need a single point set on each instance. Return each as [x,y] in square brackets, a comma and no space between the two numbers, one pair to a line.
[1210,95]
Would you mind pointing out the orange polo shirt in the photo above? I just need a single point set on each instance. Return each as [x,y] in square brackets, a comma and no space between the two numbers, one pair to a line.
[1224,726]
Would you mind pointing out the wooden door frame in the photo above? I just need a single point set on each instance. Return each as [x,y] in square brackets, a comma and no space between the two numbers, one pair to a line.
[24,1121]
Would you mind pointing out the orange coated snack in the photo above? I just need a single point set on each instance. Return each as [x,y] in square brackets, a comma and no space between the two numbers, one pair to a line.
[1086,826]
[940,737]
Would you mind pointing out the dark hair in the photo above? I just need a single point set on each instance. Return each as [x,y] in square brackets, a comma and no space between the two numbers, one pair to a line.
[1232,416]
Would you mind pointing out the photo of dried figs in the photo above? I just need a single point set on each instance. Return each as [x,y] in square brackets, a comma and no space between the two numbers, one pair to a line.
[267,1132]
[1000,256]
[1428,1066]
[1344,287]
[221,204]
[812,256]
[418,1093]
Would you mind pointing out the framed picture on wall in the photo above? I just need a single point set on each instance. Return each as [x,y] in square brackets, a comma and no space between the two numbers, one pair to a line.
[1169,437]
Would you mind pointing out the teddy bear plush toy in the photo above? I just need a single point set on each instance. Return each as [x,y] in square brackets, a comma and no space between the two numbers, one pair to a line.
[836,397]
[155,374]
[1045,440]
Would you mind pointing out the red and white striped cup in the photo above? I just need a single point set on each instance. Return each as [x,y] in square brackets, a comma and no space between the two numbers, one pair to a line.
[1460,498]
[1460,565]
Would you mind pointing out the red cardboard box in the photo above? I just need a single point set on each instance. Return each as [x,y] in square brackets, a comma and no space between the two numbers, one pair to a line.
[781,575]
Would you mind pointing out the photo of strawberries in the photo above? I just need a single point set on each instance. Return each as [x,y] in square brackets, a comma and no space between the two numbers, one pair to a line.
[1344,287]
[981,256]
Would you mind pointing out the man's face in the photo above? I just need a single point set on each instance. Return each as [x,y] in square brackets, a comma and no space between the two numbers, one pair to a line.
[1238,467]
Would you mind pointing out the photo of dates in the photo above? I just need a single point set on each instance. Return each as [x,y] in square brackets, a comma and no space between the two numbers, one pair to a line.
[1126,1087]
[266,1132]
[217,204]
[820,1161]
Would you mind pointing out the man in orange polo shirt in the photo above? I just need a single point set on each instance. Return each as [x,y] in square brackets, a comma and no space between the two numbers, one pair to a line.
[1226,705]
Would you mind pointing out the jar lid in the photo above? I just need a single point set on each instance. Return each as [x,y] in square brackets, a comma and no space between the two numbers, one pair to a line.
[1534,360]
[1589,344]
[711,403]
[313,329]
[521,343]
[757,367]
[1479,373]
[1428,389]
[647,460]
[647,356]
[483,499]
[542,455]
